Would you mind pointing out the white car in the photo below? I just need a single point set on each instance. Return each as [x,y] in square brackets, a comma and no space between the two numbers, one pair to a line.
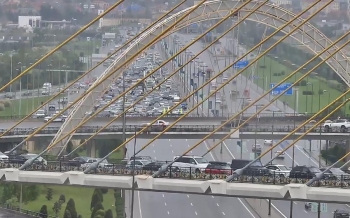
[268,142]
[3,157]
[281,156]
[39,114]
[278,169]
[103,164]
[57,119]
[190,163]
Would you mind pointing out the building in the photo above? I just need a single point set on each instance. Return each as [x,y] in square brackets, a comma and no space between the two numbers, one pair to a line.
[29,21]
[334,6]
[281,2]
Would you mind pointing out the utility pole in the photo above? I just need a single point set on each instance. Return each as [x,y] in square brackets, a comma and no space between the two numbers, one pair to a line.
[124,139]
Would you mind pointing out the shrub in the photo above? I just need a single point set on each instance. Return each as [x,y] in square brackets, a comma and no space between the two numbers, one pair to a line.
[6,103]
[43,211]
[62,198]
[49,194]
[104,190]
[2,107]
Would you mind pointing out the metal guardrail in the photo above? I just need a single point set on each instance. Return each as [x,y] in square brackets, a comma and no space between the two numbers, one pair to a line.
[276,116]
[19,211]
[119,128]
[179,128]
[187,173]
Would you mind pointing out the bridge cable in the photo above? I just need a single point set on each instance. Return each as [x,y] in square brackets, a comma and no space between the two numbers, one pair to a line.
[156,87]
[231,78]
[264,153]
[121,95]
[94,165]
[83,75]
[27,70]
[281,94]
[83,95]
[282,81]
[203,85]
[31,161]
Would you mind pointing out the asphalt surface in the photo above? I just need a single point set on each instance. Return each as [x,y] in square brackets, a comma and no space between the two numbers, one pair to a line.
[163,204]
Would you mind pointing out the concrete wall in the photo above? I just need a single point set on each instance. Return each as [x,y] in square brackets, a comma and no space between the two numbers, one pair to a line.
[261,207]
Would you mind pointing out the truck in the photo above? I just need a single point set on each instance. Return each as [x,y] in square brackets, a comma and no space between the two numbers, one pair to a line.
[342,124]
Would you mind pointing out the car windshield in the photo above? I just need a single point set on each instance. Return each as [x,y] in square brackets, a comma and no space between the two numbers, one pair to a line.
[201,160]
[315,170]
[257,164]
[283,168]
[336,171]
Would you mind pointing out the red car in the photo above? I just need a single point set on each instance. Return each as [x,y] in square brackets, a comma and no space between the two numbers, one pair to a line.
[217,167]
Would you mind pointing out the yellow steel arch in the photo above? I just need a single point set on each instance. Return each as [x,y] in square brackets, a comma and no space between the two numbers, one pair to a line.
[269,14]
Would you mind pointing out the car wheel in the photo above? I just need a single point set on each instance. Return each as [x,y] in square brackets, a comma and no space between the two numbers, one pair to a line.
[327,128]
[197,171]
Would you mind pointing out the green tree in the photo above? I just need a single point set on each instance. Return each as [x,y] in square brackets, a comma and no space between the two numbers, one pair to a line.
[109,214]
[94,200]
[49,194]
[104,190]
[99,214]
[67,214]
[99,193]
[71,208]
[43,211]
[97,207]
[57,206]
[106,146]
[69,147]
[62,198]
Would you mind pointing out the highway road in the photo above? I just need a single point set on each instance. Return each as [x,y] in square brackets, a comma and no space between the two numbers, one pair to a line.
[162,150]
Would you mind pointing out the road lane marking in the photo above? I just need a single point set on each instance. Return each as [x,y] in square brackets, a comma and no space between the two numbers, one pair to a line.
[305,211]
[196,213]
[294,202]
[138,195]
[188,196]
[165,203]
[172,151]
[168,213]
[229,151]
[171,145]
[191,204]
[152,145]
[217,205]
[163,195]
[186,140]
[212,196]
[154,151]
[223,213]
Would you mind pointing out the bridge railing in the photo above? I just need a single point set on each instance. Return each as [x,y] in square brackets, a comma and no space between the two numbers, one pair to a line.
[181,128]
[17,210]
[188,173]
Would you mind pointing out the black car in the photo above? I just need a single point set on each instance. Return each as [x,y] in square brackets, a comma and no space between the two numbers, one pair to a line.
[341,214]
[256,169]
[304,172]
[17,159]
[336,173]
[77,161]
[153,166]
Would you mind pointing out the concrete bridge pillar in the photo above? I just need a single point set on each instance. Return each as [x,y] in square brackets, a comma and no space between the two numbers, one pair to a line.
[91,148]
[30,146]
[347,149]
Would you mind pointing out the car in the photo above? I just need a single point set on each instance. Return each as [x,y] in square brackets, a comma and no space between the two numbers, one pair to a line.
[40,114]
[342,124]
[336,173]
[218,167]
[195,164]
[78,161]
[38,161]
[277,169]
[103,164]
[153,166]
[255,169]
[341,213]
[142,158]
[3,157]
[304,172]
[279,155]
[268,142]
[57,119]
[138,164]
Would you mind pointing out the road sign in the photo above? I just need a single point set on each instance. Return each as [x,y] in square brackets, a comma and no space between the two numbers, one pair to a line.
[323,207]
[281,88]
[109,36]
[240,64]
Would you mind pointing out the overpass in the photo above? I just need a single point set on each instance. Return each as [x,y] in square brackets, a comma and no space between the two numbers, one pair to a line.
[185,132]
[293,191]
[268,118]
